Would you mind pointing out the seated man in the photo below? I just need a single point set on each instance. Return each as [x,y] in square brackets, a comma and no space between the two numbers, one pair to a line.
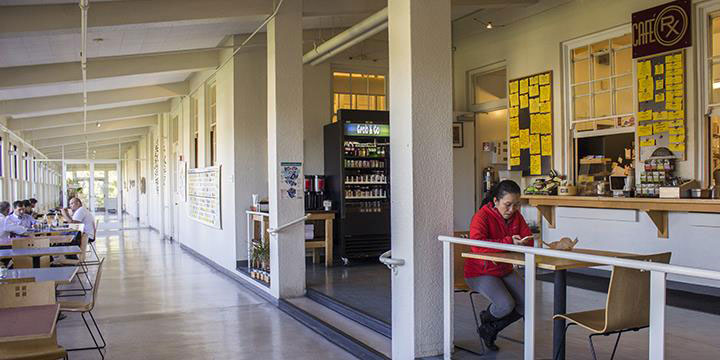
[80,215]
[7,228]
[33,212]
[20,216]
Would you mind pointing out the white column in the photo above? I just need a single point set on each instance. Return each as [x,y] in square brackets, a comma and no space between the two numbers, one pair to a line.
[657,316]
[421,170]
[285,137]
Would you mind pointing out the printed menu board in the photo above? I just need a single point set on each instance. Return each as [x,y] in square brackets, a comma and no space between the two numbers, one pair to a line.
[530,124]
[661,104]
[203,192]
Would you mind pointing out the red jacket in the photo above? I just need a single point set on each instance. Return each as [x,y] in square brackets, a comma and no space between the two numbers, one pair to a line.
[487,224]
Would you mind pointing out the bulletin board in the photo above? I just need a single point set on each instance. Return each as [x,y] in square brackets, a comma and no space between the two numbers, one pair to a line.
[661,104]
[203,192]
[530,119]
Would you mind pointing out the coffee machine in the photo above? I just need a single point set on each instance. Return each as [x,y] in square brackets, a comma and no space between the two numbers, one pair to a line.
[314,192]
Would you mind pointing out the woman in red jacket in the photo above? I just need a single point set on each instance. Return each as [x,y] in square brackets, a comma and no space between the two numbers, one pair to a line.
[498,220]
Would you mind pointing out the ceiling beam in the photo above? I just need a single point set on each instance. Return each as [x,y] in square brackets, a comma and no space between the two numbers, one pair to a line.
[108,67]
[73,102]
[76,118]
[58,149]
[491,4]
[54,17]
[81,139]
[75,130]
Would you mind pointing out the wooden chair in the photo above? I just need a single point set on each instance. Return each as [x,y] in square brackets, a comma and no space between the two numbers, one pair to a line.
[627,306]
[26,262]
[80,261]
[92,244]
[16,280]
[86,307]
[27,294]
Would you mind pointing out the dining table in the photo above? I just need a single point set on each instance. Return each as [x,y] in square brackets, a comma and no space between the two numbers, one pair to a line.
[560,268]
[60,275]
[36,253]
[54,239]
[28,322]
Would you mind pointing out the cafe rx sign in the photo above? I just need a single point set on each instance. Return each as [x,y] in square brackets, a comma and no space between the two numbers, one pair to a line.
[662,28]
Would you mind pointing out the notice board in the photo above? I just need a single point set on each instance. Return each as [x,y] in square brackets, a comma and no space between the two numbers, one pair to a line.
[203,191]
[530,124]
[661,104]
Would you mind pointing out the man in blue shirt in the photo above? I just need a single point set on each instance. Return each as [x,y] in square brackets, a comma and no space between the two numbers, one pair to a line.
[20,216]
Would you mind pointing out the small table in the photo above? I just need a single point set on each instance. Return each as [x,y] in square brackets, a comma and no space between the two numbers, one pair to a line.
[28,322]
[560,267]
[54,239]
[36,253]
[60,275]
[52,232]
[327,243]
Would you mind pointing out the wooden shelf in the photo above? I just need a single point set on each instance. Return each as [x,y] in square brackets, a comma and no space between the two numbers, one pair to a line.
[655,208]
[594,161]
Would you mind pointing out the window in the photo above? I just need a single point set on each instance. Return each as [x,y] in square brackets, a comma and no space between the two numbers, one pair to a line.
[2,158]
[601,84]
[212,121]
[194,130]
[358,91]
[713,100]
[26,166]
[14,161]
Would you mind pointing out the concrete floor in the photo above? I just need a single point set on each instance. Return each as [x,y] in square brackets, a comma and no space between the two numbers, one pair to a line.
[158,302]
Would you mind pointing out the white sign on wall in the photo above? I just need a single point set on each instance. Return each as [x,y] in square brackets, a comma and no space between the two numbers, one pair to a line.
[203,192]
[290,173]
[181,180]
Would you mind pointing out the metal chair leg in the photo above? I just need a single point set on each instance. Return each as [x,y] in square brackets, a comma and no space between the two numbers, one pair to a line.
[563,340]
[82,288]
[592,348]
[616,345]
[97,346]
[477,322]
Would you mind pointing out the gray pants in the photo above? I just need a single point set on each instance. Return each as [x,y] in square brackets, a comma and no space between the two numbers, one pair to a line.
[505,294]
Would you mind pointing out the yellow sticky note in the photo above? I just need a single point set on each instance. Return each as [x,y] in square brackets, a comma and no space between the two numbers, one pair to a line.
[679,93]
[534,105]
[535,123]
[544,79]
[515,146]
[676,123]
[514,126]
[677,131]
[514,101]
[659,69]
[660,127]
[514,161]
[673,106]
[669,97]
[545,93]
[546,127]
[677,58]
[677,138]
[545,107]
[679,79]
[547,149]
[514,111]
[534,80]
[644,130]
[535,165]
[668,58]
[523,86]
[647,142]
[524,138]
[534,91]
[680,114]
[513,87]
[645,115]
[677,147]
[523,101]
[535,144]
[655,115]
[659,84]
[660,97]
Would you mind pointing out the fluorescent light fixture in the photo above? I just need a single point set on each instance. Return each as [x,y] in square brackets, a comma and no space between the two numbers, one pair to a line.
[489,25]
[716,85]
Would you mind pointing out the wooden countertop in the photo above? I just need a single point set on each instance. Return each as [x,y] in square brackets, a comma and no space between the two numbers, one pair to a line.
[655,208]
[546,262]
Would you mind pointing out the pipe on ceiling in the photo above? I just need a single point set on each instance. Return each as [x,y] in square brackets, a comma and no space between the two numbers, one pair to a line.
[361,29]
[370,33]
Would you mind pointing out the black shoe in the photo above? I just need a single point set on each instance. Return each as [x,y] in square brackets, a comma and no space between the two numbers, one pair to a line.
[507,320]
[488,329]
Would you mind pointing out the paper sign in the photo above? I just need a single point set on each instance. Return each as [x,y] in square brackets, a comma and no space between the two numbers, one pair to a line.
[535,165]
[514,111]
[659,69]
[534,90]
[544,79]
[534,144]
[524,138]
[647,142]
[534,105]
[677,138]
[547,145]
[676,147]
[535,120]
[660,127]
[290,182]
[659,97]
[514,147]
[514,161]
[659,84]
[645,115]
[534,80]
[523,86]
[677,131]
[514,101]
[523,101]
[645,130]
[546,127]
[545,93]
[544,106]
[514,87]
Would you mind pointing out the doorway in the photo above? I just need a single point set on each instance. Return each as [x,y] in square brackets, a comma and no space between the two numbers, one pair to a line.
[95,183]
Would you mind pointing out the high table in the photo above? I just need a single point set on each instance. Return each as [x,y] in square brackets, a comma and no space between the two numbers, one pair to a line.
[28,322]
[560,267]
[36,253]
[60,275]
[54,239]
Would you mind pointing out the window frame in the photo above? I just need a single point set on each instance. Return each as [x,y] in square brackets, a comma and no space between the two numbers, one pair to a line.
[211,119]
[362,71]
[194,131]
[704,61]
[569,132]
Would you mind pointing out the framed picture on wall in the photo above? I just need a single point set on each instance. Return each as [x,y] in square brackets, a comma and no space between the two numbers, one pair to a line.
[457,134]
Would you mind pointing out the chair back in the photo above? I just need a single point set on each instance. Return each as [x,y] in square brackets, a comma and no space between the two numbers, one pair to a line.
[83,247]
[98,275]
[459,261]
[27,294]
[26,262]
[95,225]
[628,299]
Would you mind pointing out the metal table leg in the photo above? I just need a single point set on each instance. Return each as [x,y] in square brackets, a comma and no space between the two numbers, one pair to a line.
[560,307]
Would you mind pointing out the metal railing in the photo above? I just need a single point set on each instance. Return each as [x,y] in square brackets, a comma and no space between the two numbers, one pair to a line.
[658,273]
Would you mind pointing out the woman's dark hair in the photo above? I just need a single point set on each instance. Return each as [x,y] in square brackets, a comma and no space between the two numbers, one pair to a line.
[500,189]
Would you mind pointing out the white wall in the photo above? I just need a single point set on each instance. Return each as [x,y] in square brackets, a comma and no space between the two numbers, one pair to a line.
[464,180]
